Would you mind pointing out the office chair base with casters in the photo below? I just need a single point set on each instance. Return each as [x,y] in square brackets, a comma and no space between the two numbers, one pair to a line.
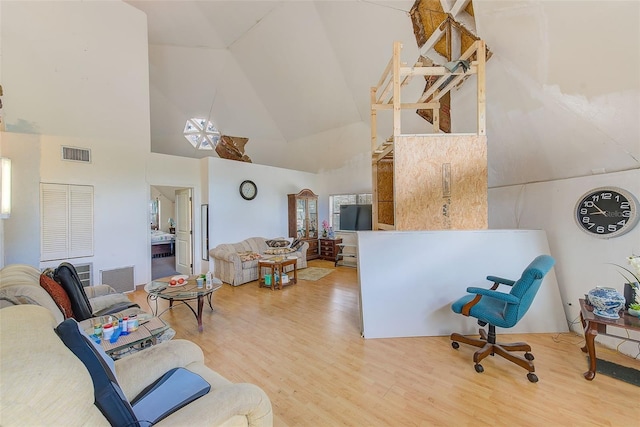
[504,310]
[489,346]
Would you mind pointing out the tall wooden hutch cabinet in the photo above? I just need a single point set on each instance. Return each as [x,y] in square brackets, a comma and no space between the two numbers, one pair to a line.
[303,219]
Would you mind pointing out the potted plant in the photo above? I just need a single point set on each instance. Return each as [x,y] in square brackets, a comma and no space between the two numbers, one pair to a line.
[634,308]
[632,286]
[325,228]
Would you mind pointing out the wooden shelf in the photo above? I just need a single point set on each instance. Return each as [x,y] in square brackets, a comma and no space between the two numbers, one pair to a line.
[303,219]
[351,255]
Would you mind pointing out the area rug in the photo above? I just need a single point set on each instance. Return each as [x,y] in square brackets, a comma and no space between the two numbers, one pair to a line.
[313,273]
[619,372]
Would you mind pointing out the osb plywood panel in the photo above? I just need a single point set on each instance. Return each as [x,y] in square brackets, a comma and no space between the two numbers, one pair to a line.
[467,40]
[469,8]
[441,182]
[232,148]
[426,16]
[384,181]
[385,213]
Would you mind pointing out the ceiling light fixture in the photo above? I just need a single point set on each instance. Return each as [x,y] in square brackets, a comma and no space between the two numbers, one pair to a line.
[202,134]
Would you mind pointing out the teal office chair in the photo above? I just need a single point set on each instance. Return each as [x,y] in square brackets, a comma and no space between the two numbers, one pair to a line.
[504,310]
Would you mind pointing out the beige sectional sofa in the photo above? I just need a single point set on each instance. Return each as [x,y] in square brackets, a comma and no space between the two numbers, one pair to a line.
[44,383]
[237,263]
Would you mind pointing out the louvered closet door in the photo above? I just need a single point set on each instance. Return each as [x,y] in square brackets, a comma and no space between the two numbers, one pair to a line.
[66,221]
[54,217]
[80,221]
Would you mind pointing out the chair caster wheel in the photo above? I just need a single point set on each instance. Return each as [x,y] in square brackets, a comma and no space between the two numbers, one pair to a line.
[528,356]
[532,377]
[455,345]
[479,368]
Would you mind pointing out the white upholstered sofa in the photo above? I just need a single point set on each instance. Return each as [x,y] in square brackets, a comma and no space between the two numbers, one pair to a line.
[237,263]
[44,383]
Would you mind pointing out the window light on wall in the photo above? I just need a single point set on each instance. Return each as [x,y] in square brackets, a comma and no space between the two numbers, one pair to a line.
[202,134]
[5,187]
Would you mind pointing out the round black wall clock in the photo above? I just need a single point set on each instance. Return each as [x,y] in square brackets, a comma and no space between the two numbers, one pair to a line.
[607,212]
[248,190]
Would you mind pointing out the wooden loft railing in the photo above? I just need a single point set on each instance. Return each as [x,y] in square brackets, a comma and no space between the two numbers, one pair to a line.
[387,94]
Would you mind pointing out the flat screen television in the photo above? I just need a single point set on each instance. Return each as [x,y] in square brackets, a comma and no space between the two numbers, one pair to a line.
[355,217]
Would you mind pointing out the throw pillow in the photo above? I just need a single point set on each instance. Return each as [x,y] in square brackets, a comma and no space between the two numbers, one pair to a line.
[58,295]
[109,397]
[277,243]
[248,256]
[297,244]
[278,251]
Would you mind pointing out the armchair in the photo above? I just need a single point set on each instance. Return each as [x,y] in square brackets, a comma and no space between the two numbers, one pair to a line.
[504,310]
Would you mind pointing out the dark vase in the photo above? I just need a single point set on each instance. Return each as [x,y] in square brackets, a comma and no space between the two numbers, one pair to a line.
[629,294]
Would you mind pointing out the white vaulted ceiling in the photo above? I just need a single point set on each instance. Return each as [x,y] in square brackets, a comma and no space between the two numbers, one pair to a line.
[563,84]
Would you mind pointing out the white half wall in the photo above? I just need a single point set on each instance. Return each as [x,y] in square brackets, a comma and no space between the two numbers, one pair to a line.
[408,280]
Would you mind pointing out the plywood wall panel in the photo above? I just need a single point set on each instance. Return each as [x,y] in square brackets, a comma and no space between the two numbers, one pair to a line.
[384,181]
[440,182]
[385,213]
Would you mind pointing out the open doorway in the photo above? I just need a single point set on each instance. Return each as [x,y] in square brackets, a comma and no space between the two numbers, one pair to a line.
[171,223]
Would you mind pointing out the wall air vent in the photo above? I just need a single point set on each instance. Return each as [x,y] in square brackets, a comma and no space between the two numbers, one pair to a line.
[76,154]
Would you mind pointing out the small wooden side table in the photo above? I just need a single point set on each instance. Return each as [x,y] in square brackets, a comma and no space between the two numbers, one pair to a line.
[594,325]
[277,267]
[329,248]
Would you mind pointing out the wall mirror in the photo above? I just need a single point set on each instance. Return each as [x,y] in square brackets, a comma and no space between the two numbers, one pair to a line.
[154,212]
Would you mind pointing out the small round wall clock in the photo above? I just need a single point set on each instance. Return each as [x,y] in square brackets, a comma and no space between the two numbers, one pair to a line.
[248,190]
[607,212]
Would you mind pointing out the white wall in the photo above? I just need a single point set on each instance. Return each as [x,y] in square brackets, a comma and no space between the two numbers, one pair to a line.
[582,260]
[66,70]
[23,226]
[70,79]
[233,218]
[355,177]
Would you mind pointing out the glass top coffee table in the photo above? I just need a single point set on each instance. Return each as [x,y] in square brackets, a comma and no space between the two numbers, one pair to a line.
[185,292]
[148,331]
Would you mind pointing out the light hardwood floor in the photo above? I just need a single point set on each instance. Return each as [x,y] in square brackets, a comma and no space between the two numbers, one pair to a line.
[302,345]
